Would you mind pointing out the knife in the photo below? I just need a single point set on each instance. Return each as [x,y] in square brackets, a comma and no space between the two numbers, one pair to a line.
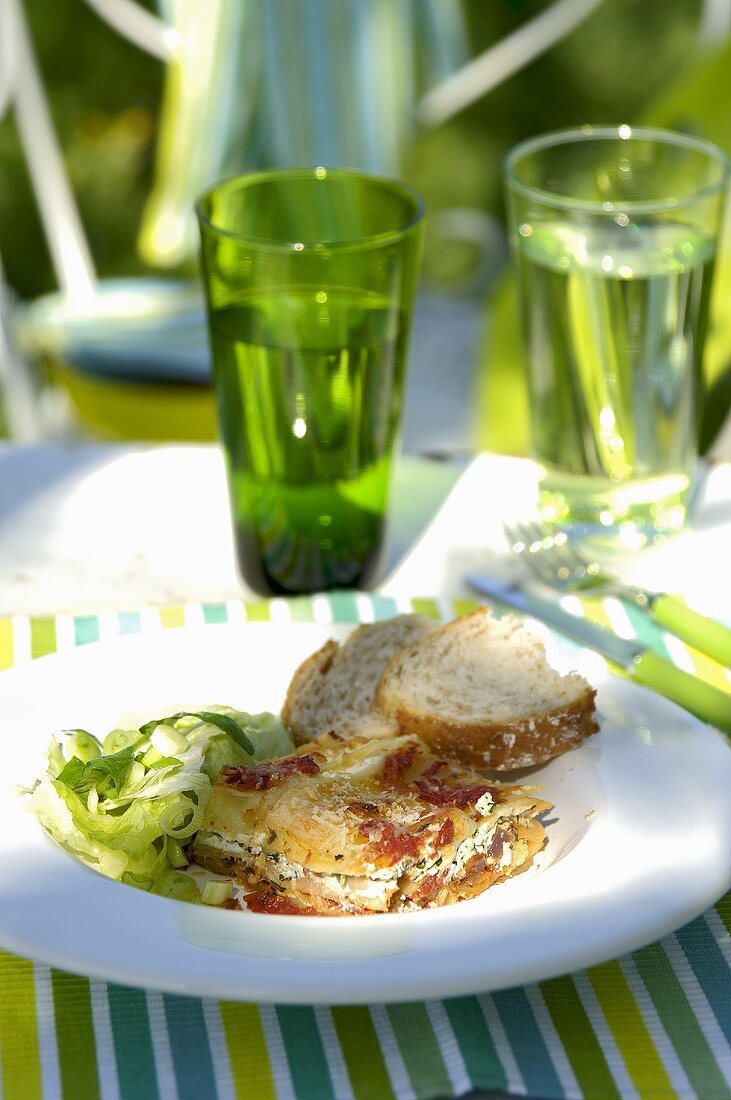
[643,664]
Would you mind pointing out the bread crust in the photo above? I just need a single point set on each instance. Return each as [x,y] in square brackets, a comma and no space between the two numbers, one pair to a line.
[502,746]
[332,690]
[498,745]
[316,665]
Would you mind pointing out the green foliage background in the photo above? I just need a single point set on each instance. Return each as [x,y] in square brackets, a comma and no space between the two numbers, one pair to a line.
[610,69]
[627,62]
[105,96]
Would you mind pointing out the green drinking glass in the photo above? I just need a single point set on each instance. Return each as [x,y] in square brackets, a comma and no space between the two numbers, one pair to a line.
[310,277]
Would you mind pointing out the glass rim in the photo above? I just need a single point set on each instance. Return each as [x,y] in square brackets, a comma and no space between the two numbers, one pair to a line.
[317,173]
[617,133]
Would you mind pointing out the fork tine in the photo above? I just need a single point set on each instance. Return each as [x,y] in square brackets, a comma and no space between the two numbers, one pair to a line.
[553,558]
[520,537]
[539,534]
[535,533]
[551,548]
[568,552]
[531,535]
[512,532]
[579,564]
[524,534]
[547,559]
[566,557]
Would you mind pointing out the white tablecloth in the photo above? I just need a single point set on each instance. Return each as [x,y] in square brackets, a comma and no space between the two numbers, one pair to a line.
[90,527]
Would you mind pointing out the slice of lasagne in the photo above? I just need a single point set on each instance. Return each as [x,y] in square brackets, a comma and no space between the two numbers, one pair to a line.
[363,826]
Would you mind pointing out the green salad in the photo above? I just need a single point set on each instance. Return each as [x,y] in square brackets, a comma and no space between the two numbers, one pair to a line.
[128,805]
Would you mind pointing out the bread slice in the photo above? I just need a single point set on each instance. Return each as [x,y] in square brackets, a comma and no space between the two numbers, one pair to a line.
[481,690]
[333,690]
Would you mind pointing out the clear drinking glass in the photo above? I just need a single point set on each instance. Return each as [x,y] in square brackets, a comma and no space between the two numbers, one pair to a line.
[310,277]
[614,232]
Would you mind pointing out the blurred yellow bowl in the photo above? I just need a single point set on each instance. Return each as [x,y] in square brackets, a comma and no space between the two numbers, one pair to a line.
[149,411]
[132,358]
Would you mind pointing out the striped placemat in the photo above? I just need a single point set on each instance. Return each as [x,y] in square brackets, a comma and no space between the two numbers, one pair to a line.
[654,1024]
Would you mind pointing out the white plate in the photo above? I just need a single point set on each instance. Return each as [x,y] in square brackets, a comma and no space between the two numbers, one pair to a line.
[640,842]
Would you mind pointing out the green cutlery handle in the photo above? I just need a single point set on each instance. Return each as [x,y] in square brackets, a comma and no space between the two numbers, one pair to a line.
[705,701]
[707,635]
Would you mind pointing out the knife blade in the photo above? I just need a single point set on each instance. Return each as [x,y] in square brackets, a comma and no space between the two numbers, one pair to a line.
[643,664]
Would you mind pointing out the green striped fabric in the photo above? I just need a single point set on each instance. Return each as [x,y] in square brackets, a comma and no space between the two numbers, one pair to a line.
[654,1024]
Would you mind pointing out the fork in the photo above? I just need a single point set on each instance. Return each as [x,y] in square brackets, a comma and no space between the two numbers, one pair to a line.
[551,556]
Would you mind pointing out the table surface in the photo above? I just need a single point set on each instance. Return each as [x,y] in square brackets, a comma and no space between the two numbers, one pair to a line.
[102,526]
[126,526]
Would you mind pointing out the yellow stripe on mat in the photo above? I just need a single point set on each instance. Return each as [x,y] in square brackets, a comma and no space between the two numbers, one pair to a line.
[6,643]
[172,617]
[20,1065]
[630,1031]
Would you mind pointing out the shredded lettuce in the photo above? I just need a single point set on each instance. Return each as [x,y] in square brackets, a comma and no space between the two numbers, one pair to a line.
[127,810]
